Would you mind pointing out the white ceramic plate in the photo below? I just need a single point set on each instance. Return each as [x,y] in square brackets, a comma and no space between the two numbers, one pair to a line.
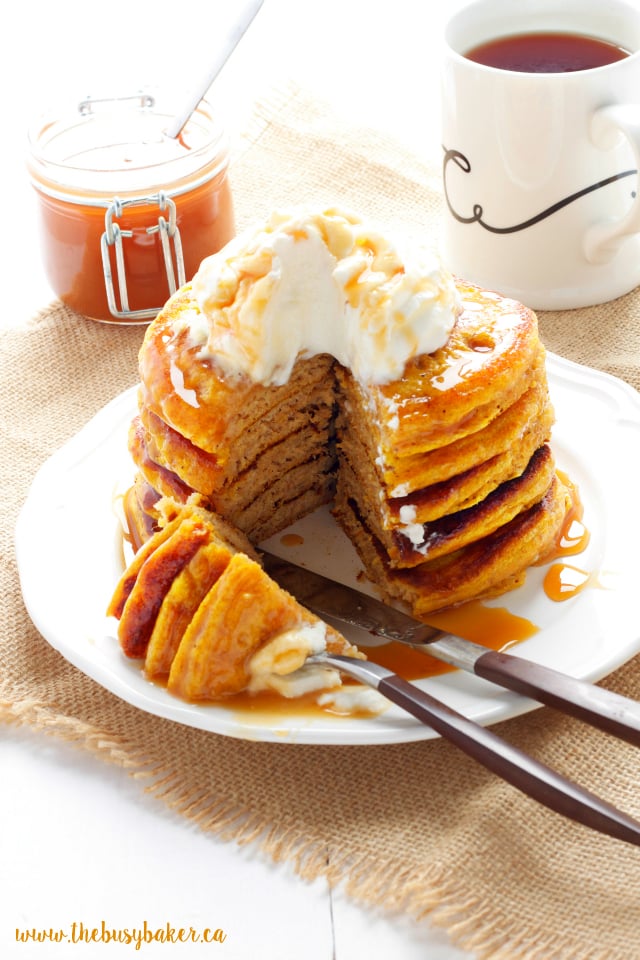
[70,557]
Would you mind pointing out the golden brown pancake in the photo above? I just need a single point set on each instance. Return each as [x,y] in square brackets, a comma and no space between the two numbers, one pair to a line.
[492,357]
[484,568]
[451,531]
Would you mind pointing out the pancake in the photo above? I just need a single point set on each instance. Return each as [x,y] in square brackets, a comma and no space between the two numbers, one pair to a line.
[426,541]
[531,412]
[488,567]
[457,491]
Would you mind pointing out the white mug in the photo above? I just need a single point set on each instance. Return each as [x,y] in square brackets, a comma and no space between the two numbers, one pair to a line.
[540,170]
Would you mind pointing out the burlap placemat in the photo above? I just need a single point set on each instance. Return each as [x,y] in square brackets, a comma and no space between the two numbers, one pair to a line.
[417,827]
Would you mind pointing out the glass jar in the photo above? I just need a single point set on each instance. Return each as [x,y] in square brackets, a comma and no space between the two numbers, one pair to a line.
[127,213]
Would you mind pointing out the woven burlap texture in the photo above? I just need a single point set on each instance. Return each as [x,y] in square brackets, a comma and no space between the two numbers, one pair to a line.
[416,828]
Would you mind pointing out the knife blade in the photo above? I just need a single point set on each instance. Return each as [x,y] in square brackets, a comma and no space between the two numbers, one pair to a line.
[328,598]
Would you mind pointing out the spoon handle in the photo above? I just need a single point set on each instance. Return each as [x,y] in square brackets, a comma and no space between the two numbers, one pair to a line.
[516,767]
[240,26]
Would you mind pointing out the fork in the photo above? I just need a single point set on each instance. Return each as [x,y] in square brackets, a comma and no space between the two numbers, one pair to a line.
[522,771]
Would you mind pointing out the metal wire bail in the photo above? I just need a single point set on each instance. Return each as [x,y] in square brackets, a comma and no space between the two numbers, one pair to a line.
[86,106]
[113,237]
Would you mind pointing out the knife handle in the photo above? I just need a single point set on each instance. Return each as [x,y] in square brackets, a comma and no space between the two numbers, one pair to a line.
[599,707]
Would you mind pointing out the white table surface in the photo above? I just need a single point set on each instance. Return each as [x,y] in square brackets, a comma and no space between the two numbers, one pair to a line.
[80,841]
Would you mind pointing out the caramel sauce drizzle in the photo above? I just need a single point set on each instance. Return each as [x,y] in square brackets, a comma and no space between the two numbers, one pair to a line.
[563,580]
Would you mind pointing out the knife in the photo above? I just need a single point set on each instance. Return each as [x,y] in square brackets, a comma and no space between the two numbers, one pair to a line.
[601,708]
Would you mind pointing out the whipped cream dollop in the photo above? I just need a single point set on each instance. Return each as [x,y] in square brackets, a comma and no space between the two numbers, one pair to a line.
[310,282]
[281,665]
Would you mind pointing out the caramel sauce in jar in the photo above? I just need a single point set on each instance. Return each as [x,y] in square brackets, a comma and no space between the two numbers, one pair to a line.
[126,213]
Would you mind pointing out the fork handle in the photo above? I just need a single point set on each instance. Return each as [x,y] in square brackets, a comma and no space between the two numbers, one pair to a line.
[516,767]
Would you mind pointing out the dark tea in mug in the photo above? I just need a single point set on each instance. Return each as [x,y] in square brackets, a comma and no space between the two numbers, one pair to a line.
[546,53]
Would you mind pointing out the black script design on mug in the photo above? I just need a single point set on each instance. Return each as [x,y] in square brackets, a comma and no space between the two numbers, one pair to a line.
[459,159]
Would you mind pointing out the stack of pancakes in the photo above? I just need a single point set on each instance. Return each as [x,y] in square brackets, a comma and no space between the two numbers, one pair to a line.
[443,478]
[447,485]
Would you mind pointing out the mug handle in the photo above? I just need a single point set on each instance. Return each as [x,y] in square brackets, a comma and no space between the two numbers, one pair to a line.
[603,240]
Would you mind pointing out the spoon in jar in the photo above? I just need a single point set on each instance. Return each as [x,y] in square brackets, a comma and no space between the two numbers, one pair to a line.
[232,39]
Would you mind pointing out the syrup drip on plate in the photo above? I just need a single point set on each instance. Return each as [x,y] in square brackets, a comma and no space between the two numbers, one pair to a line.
[563,580]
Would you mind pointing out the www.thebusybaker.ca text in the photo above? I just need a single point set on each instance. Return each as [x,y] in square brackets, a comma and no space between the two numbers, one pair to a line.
[80,933]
